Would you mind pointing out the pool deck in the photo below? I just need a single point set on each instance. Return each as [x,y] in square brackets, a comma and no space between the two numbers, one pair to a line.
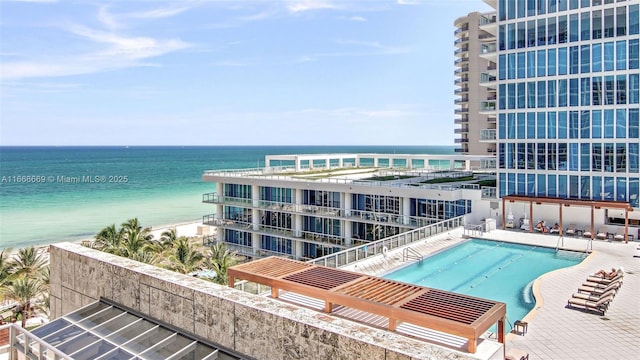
[555,331]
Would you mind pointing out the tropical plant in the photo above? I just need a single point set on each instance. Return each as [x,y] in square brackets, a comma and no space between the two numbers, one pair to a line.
[168,238]
[185,258]
[135,238]
[108,240]
[147,257]
[220,259]
[29,261]
[23,290]
[7,267]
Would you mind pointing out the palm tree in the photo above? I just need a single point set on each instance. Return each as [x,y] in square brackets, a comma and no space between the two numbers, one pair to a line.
[135,238]
[109,240]
[220,259]
[185,258]
[168,238]
[29,261]
[147,257]
[7,267]
[23,291]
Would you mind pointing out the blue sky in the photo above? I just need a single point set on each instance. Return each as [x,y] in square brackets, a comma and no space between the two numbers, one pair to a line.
[228,72]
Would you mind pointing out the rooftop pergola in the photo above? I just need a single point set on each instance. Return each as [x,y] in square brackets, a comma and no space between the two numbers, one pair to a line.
[593,204]
[460,315]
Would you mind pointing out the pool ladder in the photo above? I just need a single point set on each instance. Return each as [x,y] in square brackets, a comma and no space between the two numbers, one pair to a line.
[409,253]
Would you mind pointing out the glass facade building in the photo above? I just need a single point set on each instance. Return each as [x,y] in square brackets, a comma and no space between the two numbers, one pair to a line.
[568,99]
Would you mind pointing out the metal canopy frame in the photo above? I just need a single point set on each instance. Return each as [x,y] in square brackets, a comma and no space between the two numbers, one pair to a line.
[561,202]
[448,312]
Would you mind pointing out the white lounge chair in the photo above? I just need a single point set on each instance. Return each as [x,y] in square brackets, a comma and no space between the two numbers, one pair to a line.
[602,233]
[620,234]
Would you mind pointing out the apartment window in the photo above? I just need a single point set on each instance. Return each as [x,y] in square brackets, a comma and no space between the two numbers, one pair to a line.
[511,66]
[634,54]
[621,55]
[585,124]
[542,94]
[621,123]
[562,5]
[503,184]
[585,30]
[511,10]
[574,63]
[596,58]
[551,185]
[585,56]
[562,156]
[609,157]
[521,184]
[608,90]
[596,124]
[552,156]
[531,184]
[552,31]
[596,184]
[501,156]
[562,124]
[585,191]
[531,164]
[634,129]
[522,9]
[511,126]
[502,96]
[597,90]
[585,157]
[621,157]
[502,38]
[551,62]
[608,124]
[634,166]
[634,189]
[574,125]
[502,67]
[573,28]
[634,93]
[608,23]
[585,91]
[542,185]
[585,3]
[522,65]
[531,94]
[621,89]
[621,21]
[634,21]
[542,32]
[542,6]
[521,123]
[531,33]
[551,93]
[511,96]
[511,183]
[531,64]
[574,190]
[562,93]
[541,125]
[531,125]
[607,193]
[522,95]
[596,24]
[573,4]
[522,35]
[521,156]
[608,56]
[511,36]
[511,155]
[562,29]
[551,126]
[573,92]
[542,156]
[596,153]
[502,8]
[562,61]
[552,6]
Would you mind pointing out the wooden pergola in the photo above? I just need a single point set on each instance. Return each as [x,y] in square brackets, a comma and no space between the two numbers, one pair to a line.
[593,204]
[460,315]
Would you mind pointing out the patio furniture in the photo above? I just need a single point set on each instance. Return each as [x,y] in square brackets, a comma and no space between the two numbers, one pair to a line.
[602,232]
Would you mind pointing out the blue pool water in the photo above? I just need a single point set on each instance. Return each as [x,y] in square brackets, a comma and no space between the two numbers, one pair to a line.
[489,269]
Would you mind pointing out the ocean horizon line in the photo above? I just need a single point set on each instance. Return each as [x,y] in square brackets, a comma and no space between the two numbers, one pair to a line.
[207,146]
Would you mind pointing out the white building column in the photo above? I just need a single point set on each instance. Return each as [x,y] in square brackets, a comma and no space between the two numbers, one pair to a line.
[297,222]
[406,210]
[347,233]
[219,211]
[255,212]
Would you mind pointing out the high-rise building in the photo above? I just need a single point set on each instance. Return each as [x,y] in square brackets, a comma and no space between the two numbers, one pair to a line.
[568,99]
[475,34]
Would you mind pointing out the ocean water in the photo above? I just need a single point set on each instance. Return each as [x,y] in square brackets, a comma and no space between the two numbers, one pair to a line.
[55,194]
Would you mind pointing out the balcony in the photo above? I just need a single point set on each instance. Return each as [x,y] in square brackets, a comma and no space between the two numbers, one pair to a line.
[461,130]
[462,29]
[461,111]
[461,91]
[461,61]
[461,40]
[461,70]
[460,150]
[488,135]
[462,120]
[461,80]
[488,80]
[487,106]
[488,51]
[461,51]
[491,150]
[488,23]
[461,141]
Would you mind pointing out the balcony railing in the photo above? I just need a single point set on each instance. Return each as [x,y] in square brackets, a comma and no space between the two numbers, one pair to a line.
[461,90]
[461,50]
[488,105]
[489,193]
[487,134]
[380,247]
[461,70]
[461,121]
[487,19]
[462,100]
[462,29]
[461,130]
[460,141]
[461,80]
[488,48]
[487,78]
[461,111]
[461,40]
[461,60]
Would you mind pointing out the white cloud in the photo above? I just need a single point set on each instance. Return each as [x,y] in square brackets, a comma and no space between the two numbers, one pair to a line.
[298,6]
[107,19]
[357,18]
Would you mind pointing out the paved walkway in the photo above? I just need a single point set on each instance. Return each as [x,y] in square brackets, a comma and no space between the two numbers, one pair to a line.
[555,331]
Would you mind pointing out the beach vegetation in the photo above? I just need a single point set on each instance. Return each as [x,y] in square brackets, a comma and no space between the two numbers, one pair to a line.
[29,262]
[220,259]
[184,257]
[23,291]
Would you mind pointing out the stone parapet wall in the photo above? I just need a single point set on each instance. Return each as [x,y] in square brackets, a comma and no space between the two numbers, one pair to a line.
[252,325]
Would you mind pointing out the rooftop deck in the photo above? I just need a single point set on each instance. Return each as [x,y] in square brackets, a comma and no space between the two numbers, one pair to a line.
[554,331]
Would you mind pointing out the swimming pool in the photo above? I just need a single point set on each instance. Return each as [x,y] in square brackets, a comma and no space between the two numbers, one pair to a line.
[489,269]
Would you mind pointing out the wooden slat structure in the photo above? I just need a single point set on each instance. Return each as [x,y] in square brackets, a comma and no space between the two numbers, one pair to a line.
[460,315]
[593,204]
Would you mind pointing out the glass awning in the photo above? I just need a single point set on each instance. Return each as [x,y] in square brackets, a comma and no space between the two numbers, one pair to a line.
[103,331]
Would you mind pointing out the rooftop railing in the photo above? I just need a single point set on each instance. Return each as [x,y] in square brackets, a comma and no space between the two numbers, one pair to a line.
[381,247]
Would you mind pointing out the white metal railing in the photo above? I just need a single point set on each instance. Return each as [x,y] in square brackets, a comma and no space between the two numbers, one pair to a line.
[488,48]
[25,345]
[487,105]
[378,247]
[487,134]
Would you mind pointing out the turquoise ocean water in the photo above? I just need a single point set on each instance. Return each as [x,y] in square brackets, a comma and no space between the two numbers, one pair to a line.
[54,194]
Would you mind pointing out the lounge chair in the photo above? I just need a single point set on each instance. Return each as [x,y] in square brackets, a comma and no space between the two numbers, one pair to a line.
[587,233]
[571,229]
[555,229]
[599,278]
[620,233]
[602,232]
[598,289]
[514,354]
[600,306]
[591,297]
